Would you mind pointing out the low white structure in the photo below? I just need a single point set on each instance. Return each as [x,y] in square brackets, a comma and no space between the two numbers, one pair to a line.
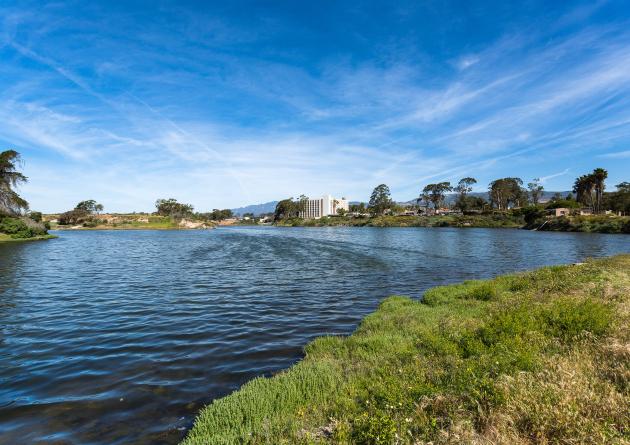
[324,206]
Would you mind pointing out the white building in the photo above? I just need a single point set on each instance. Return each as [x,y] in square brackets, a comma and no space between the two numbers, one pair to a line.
[324,206]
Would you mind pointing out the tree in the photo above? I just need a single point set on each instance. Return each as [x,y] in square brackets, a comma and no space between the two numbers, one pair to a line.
[463,188]
[75,216]
[599,182]
[10,202]
[623,187]
[170,207]
[358,208]
[535,190]
[425,199]
[380,200]
[89,206]
[589,189]
[218,215]
[583,189]
[507,192]
[287,208]
[562,203]
[436,193]
[619,200]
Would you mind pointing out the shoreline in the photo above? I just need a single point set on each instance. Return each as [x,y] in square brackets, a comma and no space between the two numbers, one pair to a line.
[475,353]
[582,224]
[128,228]
[7,239]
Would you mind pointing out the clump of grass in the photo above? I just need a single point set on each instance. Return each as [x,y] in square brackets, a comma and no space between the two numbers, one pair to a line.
[484,292]
[540,357]
[566,400]
[566,318]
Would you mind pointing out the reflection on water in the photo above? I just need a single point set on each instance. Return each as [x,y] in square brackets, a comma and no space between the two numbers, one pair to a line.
[121,336]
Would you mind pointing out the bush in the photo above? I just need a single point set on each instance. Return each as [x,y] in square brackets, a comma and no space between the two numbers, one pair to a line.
[35,216]
[566,318]
[484,292]
[20,227]
[532,214]
[76,216]
[563,203]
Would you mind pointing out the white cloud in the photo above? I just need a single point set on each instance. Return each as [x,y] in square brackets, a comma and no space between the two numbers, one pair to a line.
[544,179]
[617,155]
[223,129]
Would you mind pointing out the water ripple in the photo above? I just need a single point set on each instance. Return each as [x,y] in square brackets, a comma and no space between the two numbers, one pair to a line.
[121,337]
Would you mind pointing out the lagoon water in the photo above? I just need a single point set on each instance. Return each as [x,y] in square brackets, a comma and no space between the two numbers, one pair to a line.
[120,337]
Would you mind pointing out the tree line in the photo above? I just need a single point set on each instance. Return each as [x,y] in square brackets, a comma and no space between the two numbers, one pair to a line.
[504,193]
[508,193]
[87,212]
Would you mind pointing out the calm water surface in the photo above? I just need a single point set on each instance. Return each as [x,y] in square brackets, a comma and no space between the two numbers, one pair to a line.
[120,337]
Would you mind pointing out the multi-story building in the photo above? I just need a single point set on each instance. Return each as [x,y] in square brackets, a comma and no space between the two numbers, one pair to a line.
[324,206]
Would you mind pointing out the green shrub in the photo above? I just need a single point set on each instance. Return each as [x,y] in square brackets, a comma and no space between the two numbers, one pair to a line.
[374,429]
[484,292]
[567,318]
[18,228]
[35,216]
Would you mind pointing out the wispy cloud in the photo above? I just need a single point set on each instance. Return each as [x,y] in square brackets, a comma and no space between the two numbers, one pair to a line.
[222,111]
[544,179]
[616,155]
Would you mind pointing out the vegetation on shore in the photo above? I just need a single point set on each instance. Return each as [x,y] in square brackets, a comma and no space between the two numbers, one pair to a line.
[169,215]
[4,238]
[509,219]
[587,209]
[132,221]
[538,357]
[496,220]
[584,223]
[16,221]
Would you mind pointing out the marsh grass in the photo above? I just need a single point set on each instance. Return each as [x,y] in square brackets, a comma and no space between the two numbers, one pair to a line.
[540,357]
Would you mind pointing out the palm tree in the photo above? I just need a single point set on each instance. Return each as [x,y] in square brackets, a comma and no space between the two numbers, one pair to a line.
[599,176]
[583,189]
[10,201]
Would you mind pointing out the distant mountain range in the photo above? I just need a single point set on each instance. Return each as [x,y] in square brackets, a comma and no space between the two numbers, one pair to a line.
[256,209]
[269,207]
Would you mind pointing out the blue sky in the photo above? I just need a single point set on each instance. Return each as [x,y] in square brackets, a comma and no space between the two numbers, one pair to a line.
[233,103]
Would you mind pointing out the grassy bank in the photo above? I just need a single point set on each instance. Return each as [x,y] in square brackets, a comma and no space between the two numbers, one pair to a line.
[490,221]
[586,223]
[539,357]
[4,238]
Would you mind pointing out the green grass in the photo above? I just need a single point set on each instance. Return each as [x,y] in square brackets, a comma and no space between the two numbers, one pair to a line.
[4,238]
[539,357]
[588,223]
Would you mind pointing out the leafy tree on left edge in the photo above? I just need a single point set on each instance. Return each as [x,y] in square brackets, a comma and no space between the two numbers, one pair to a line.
[10,202]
